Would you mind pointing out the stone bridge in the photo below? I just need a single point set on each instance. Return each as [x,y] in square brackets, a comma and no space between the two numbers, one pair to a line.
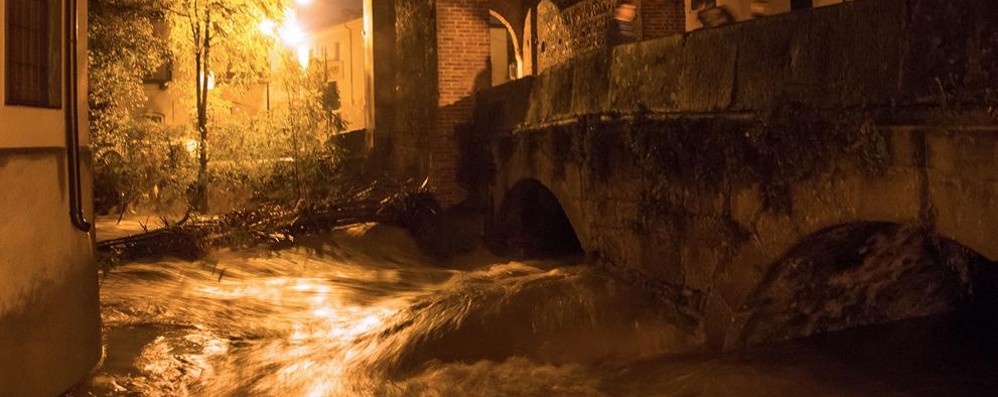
[698,164]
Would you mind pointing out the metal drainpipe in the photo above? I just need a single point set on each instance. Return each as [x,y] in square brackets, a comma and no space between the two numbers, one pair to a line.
[76,215]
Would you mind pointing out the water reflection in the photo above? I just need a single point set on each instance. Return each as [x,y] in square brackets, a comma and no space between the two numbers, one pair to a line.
[362,313]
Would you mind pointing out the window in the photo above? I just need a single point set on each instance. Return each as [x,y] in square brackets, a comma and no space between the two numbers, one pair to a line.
[162,76]
[156,117]
[33,53]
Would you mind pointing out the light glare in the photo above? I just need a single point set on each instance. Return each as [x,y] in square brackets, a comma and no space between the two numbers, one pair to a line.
[267,27]
[303,55]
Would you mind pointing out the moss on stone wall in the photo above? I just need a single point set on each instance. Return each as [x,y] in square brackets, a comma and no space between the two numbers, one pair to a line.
[561,146]
[684,169]
[773,150]
[707,155]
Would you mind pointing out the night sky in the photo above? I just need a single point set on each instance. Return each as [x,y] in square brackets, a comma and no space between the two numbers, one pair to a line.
[321,13]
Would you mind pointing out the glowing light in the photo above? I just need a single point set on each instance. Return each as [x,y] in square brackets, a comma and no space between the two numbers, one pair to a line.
[303,3]
[324,312]
[303,55]
[291,31]
[366,324]
[267,27]
[211,80]
[294,36]
[191,145]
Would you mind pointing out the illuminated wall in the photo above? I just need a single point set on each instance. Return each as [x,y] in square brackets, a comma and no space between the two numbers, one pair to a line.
[49,318]
[340,50]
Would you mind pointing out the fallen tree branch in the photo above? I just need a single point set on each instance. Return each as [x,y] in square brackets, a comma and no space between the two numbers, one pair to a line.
[266,223]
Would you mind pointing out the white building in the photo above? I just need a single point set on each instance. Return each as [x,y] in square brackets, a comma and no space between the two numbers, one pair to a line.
[49,317]
[339,50]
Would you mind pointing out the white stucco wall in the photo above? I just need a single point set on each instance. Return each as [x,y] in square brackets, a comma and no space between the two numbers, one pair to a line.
[498,39]
[49,310]
[49,318]
[349,73]
[31,127]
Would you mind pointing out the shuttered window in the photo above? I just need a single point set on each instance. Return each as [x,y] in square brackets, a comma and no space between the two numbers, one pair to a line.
[33,47]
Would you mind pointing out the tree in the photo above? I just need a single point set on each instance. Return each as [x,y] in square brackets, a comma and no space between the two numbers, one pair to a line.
[218,36]
[124,48]
[285,155]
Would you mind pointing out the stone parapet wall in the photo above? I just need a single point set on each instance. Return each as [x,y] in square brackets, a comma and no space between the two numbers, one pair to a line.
[883,53]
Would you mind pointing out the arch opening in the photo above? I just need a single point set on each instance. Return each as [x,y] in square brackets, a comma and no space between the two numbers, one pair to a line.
[532,224]
[864,274]
[505,55]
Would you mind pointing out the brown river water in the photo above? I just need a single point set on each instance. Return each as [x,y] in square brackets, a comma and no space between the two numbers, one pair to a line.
[362,312]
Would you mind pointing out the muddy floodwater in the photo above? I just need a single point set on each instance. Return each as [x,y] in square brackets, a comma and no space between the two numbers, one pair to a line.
[361,312]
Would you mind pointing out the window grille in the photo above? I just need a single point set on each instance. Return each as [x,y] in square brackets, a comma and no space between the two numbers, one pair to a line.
[33,47]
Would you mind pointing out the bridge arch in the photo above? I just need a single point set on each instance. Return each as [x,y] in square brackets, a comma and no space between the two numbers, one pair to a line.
[863,273]
[531,222]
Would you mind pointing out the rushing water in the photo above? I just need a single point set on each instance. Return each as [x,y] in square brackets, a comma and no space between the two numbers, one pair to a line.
[362,312]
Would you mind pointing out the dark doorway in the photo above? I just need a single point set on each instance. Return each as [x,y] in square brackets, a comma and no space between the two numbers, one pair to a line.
[531,223]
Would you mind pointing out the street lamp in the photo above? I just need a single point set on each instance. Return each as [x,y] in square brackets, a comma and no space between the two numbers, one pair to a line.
[294,36]
[291,33]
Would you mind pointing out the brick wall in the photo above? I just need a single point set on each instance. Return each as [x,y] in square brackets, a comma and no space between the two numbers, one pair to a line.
[661,18]
[463,68]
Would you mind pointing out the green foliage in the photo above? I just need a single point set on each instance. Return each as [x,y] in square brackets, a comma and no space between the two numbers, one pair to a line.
[306,126]
[225,35]
[282,155]
[144,163]
[123,49]
[216,42]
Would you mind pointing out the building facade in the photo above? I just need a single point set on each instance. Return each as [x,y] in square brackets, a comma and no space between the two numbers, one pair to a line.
[49,311]
[339,51]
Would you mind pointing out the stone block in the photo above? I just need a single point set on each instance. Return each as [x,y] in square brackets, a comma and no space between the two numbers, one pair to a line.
[707,72]
[591,83]
[746,204]
[763,64]
[646,74]
[903,146]
[966,209]
[893,197]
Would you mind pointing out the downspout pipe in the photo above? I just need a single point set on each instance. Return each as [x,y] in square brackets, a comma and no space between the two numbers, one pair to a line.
[76,215]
